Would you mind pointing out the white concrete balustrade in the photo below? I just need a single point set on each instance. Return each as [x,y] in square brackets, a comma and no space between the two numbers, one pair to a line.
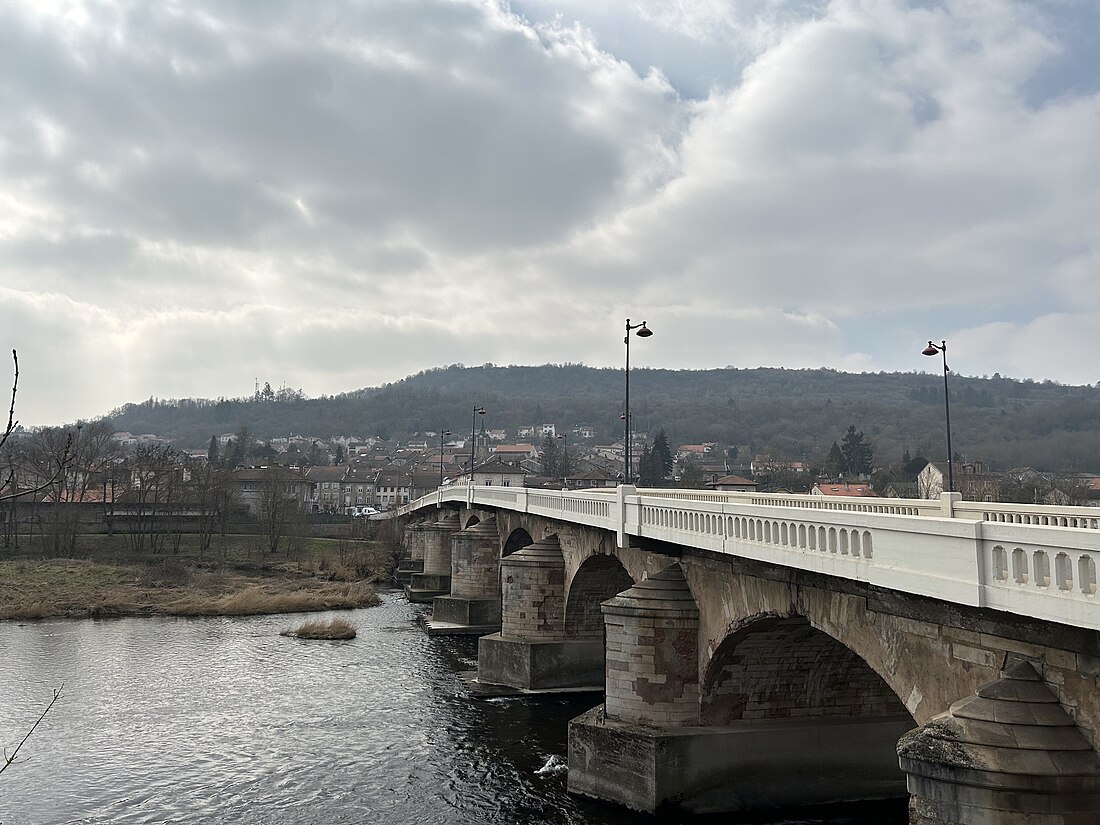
[1029,560]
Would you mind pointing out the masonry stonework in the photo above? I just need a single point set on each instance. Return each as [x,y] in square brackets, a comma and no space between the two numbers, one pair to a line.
[780,651]
[475,561]
[533,592]
[652,667]
[473,604]
[434,542]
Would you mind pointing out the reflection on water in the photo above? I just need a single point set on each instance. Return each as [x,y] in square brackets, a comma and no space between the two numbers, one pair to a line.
[224,721]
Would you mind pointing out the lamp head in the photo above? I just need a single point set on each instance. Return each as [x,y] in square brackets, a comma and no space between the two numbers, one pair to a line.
[931,349]
[480,411]
[644,331]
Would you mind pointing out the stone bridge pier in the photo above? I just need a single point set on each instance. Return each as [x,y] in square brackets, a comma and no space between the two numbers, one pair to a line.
[551,633]
[473,603]
[432,541]
[532,651]
[412,540]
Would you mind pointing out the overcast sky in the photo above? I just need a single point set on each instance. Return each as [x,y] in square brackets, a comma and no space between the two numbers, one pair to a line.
[334,195]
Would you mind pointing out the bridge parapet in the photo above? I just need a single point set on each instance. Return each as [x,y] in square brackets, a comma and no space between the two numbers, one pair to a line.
[949,505]
[1006,557]
[1085,518]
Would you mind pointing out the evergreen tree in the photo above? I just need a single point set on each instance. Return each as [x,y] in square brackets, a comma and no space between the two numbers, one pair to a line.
[857,453]
[212,450]
[236,450]
[265,453]
[662,455]
[835,463]
[317,456]
[338,459]
[551,460]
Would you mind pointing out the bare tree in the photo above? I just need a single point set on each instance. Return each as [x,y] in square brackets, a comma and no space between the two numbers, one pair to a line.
[280,509]
[212,496]
[153,499]
[67,464]
[15,482]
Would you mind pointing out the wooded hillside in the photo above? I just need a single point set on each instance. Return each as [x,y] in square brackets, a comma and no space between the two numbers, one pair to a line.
[794,414]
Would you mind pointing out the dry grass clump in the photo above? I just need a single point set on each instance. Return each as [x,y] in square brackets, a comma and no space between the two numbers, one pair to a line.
[257,599]
[316,629]
[350,562]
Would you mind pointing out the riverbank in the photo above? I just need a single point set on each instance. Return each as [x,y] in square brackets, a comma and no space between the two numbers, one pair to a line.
[113,581]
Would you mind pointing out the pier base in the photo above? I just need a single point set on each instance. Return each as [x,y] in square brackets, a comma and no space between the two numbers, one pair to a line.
[406,568]
[462,615]
[540,665]
[424,587]
[746,766]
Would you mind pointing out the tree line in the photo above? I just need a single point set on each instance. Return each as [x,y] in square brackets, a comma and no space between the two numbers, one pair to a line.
[785,413]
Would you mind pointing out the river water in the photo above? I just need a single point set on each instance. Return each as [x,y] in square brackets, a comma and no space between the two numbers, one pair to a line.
[221,720]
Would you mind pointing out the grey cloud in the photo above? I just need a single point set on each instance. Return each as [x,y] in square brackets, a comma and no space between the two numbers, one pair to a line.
[449,153]
[339,194]
[97,252]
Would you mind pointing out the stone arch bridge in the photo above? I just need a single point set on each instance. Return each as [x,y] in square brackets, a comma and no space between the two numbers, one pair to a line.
[766,650]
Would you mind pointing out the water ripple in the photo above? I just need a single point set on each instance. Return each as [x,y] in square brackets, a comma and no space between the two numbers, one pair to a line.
[221,720]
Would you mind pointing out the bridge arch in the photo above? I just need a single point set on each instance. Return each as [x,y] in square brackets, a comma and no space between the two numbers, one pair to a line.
[816,716]
[471,521]
[597,579]
[517,540]
[772,667]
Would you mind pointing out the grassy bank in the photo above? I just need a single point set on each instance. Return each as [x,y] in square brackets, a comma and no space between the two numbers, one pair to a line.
[111,580]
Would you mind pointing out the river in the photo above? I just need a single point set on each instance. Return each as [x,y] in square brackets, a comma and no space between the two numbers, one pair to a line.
[222,720]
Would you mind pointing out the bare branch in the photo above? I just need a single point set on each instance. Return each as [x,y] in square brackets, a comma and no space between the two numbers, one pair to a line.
[10,759]
[63,461]
[12,423]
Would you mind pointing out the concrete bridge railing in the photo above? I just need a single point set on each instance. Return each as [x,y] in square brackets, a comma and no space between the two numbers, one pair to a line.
[1028,560]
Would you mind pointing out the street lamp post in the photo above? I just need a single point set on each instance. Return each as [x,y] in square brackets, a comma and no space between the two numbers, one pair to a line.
[441,437]
[642,332]
[473,430]
[564,457]
[933,350]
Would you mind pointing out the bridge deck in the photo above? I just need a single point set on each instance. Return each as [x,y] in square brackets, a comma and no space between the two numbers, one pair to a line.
[1030,560]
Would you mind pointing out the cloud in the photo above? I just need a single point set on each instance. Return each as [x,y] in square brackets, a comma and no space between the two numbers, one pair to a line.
[334,196]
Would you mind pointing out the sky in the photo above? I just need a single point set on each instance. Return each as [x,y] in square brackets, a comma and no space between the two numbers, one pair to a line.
[197,195]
